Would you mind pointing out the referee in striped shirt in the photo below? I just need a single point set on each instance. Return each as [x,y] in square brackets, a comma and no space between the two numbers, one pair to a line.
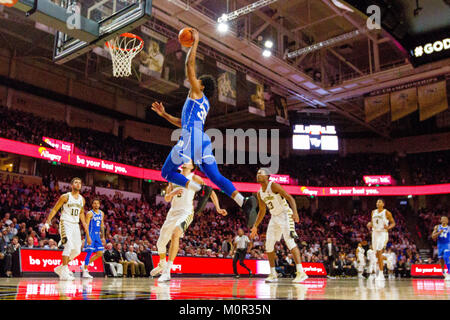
[241,242]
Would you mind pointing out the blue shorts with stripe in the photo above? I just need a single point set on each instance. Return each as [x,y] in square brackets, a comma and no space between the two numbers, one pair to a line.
[441,250]
[96,244]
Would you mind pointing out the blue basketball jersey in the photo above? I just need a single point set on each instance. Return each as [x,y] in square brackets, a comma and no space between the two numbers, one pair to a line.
[194,113]
[443,239]
[95,223]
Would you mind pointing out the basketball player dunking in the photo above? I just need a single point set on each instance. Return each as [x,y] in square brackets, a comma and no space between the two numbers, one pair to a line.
[195,145]
[177,221]
[281,223]
[72,204]
[441,234]
[382,222]
[94,219]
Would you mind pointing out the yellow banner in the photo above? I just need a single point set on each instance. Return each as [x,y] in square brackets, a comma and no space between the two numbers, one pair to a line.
[403,103]
[432,99]
[376,106]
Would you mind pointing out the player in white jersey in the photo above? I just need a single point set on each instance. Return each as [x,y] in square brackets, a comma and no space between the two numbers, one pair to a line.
[361,259]
[178,219]
[371,263]
[391,261]
[72,213]
[382,222]
[281,222]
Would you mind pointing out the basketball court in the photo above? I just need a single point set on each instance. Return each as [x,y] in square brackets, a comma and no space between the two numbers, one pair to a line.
[221,288]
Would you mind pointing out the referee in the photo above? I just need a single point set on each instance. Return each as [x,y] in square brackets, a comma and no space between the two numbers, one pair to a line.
[240,250]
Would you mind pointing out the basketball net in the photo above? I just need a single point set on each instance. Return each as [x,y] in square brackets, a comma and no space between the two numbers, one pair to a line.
[123,49]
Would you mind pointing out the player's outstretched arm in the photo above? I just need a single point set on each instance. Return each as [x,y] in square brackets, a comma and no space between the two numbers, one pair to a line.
[259,218]
[158,107]
[62,199]
[391,221]
[196,91]
[170,193]
[276,188]
[215,200]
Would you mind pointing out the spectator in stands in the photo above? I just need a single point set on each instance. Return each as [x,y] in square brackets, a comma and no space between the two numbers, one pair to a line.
[12,256]
[122,259]
[30,243]
[289,265]
[146,257]
[112,259]
[227,245]
[137,266]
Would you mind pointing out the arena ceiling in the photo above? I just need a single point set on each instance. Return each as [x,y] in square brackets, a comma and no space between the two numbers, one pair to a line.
[324,85]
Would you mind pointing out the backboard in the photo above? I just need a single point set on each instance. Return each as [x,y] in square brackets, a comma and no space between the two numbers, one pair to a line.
[90,23]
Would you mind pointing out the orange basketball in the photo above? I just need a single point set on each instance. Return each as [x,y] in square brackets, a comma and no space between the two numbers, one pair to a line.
[185,37]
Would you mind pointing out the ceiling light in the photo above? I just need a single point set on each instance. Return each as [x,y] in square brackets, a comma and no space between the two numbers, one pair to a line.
[267,53]
[222,27]
[268,44]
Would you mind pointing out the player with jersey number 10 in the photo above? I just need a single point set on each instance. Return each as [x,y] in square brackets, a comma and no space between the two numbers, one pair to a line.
[72,213]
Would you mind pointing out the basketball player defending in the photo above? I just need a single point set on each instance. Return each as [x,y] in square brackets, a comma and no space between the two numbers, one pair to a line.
[441,234]
[281,223]
[381,223]
[195,145]
[72,204]
[177,221]
[94,219]
[361,260]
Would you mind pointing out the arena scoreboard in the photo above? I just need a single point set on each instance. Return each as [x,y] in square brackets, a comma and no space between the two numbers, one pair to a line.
[315,137]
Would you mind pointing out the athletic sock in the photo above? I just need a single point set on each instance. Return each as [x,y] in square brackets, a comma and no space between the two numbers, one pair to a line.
[299,267]
[239,198]
[273,271]
[194,186]
[169,266]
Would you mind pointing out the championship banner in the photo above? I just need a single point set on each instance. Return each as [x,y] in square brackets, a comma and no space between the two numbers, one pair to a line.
[151,57]
[403,103]
[226,82]
[376,106]
[255,96]
[432,99]
[280,104]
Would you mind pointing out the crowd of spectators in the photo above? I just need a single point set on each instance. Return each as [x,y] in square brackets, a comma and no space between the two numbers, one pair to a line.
[134,226]
[312,170]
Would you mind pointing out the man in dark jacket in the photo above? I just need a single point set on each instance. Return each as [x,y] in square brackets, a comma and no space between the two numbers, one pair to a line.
[111,259]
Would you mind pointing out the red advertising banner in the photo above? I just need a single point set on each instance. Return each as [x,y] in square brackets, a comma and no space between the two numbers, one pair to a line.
[45,260]
[34,151]
[383,180]
[280,178]
[426,270]
[59,144]
[200,265]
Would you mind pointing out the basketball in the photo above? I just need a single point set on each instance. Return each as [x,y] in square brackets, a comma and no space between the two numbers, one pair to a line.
[185,37]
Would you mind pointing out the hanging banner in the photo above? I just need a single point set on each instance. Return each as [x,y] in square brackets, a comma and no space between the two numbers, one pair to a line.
[151,57]
[403,103]
[376,106]
[432,99]
[280,104]
[255,96]
[226,82]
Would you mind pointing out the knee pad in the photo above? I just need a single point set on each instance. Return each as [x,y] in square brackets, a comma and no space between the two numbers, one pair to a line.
[291,244]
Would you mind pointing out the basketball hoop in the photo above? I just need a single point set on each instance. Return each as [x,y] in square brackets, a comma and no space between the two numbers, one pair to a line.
[123,49]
